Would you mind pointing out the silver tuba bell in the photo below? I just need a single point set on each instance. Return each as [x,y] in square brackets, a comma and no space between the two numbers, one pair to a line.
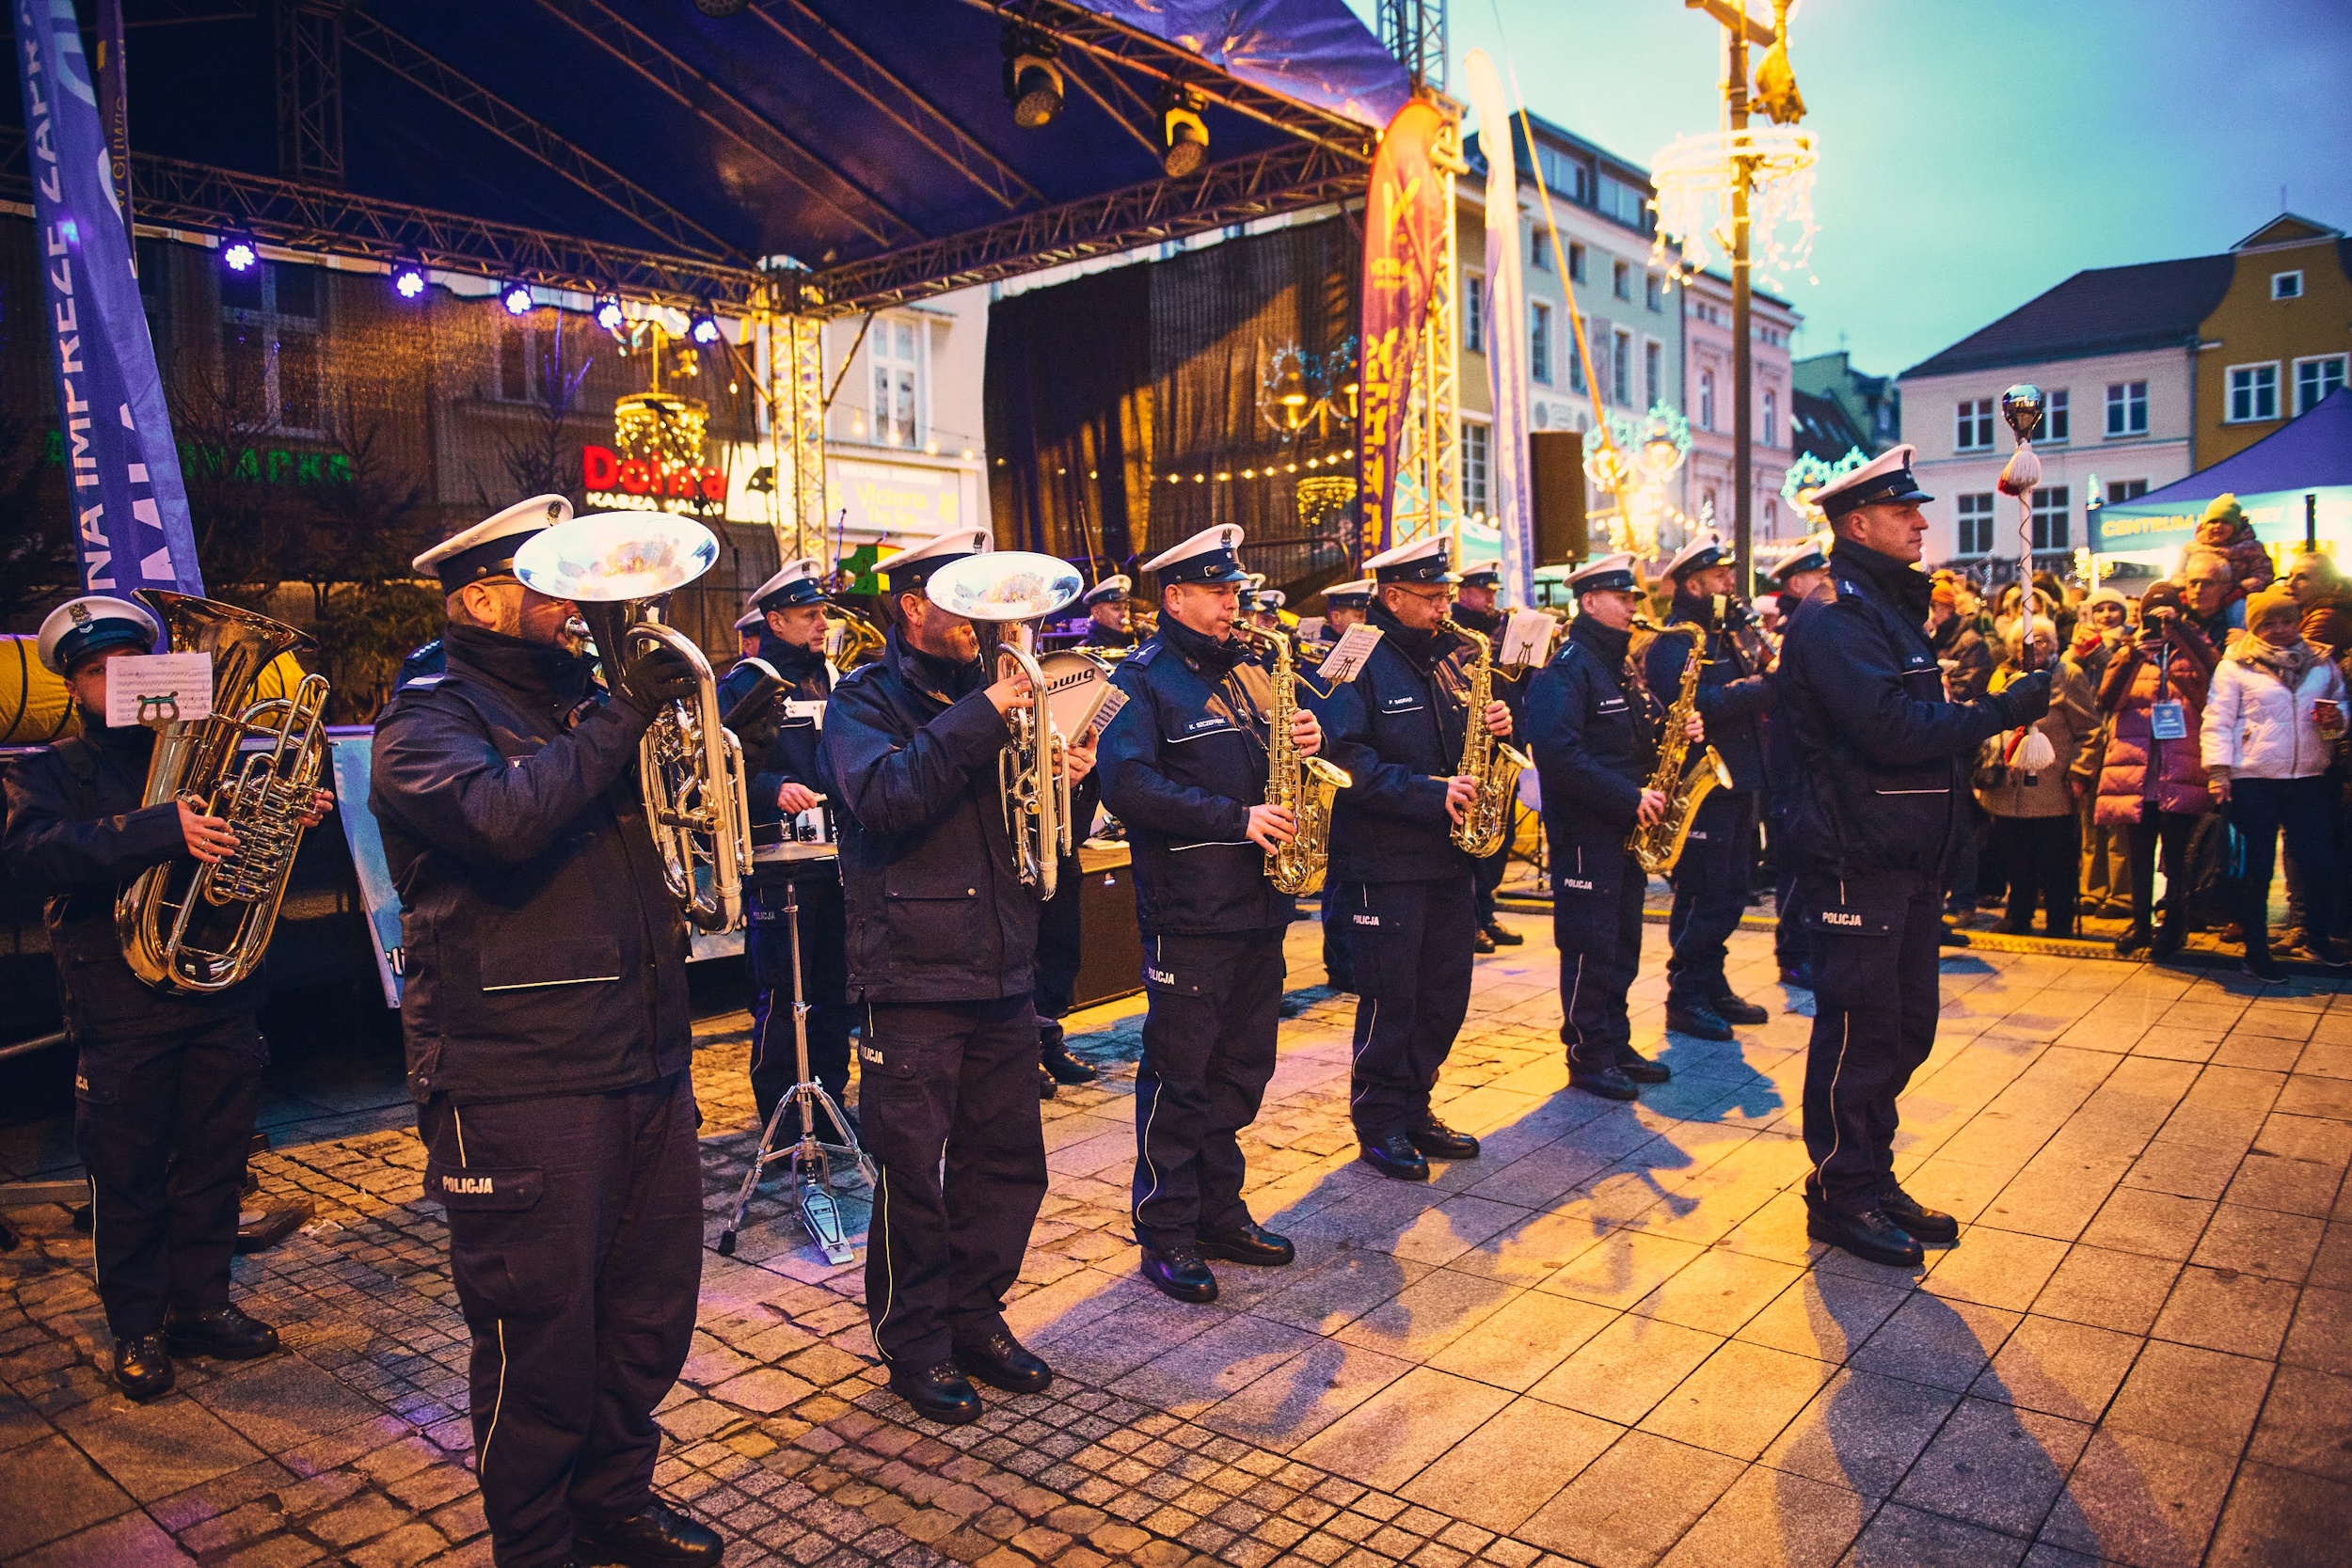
[1007,593]
[617,566]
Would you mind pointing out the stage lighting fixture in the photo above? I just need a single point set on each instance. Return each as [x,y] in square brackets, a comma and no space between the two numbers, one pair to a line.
[1186,137]
[239,252]
[408,279]
[515,295]
[608,314]
[704,327]
[1033,83]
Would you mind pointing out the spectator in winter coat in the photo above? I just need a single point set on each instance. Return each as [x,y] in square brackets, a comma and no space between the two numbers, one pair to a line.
[2151,781]
[2224,530]
[2103,626]
[2325,600]
[2209,593]
[1967,663]
[2270,730]
[2034,829]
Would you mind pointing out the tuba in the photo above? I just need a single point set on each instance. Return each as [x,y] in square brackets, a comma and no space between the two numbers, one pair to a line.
[1495,764]
[186,926]
[1008,592]
[1660,844]
[1304,786]
[617,566]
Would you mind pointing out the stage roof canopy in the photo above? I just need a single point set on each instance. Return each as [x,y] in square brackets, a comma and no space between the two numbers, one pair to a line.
[647,146]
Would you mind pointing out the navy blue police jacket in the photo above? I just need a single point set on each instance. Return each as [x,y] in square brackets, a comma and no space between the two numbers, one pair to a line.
[1732,700]
[542,952]
[936,912]
[1396,730]
[1101,636]
[795,756]
[1181,766]
[1592,730]
[1510,687]
[77,836]
[1882,760]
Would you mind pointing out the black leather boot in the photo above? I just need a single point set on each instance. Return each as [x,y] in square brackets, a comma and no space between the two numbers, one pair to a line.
[1501,935]
[1605,1079]
[1868,1234]
[1002,1362]
[1734,1008]
[1396,1156]
[939,1393]
[1693,1015]
[1436,1141]
[224,1334]
[1640,1068]
[656,1536]
[143,1368]
[1254,1243]
[1180,1273]
[1925,1224]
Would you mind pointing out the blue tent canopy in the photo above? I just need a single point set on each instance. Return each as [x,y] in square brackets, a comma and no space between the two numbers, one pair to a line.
[644,144]
[2310,455]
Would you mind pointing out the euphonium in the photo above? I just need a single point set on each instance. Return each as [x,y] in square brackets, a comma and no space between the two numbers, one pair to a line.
[1008,592]
[1495,764]
[1304,786]
[616,566]
[861,640]
[1660,844]
[189,926]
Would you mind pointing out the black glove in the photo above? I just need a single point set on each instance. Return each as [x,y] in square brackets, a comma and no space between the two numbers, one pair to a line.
[657,676]
[2028,699]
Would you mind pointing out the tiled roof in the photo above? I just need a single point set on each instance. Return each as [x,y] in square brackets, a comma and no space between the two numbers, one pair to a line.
[2103,310]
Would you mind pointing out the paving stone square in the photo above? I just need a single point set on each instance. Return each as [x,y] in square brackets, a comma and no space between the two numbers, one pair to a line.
[1607,1342]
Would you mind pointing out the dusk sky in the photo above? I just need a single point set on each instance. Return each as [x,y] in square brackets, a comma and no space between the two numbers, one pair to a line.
[1974,152]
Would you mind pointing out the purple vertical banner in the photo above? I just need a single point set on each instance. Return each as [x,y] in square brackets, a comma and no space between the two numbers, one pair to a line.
[1401,240]
[122,473]
[1506,338]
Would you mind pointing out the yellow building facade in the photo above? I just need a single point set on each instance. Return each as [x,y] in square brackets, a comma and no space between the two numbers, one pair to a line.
[2279,340]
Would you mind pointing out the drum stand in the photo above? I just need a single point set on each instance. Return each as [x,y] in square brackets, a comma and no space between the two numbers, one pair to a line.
[810,1159]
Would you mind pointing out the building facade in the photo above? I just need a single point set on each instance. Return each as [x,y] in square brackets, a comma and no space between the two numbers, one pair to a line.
[1872,405]
[1710,476]
[1601,260]
[2278,339]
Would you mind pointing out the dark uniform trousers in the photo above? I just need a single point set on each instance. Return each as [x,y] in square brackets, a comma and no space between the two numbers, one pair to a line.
[1710,884]
[1486,876]
[575,1222]
[939,1258]
[161,1122]
[1597,925]
[824,985]
[1214,1005]
[1409,945]
[1875,994]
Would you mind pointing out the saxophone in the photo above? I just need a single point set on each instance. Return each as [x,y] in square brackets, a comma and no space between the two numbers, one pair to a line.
[1495,764]
[1660,844]
[1304,786]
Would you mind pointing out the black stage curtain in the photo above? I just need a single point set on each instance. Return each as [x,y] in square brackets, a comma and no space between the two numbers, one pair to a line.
[1130,408]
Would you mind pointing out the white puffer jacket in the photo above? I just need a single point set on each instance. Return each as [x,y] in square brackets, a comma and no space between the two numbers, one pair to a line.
[2256,728]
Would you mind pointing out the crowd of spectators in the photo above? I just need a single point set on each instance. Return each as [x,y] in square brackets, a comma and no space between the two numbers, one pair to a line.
[2189,728]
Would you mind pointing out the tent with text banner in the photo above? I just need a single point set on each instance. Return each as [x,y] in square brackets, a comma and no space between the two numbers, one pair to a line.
[2298,478]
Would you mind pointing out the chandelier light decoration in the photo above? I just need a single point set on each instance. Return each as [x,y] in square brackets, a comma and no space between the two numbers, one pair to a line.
[1696,176]
[1631,459]
[1302,395]
[1809,475]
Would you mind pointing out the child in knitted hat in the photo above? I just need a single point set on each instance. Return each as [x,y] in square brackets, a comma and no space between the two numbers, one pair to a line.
[2225,529]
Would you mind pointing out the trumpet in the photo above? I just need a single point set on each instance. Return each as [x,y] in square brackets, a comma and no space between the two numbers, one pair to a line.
[1008,592]
[187,926]
[617,566]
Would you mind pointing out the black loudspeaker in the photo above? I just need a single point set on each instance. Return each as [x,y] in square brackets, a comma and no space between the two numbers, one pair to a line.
[1555,468]
[1110,945]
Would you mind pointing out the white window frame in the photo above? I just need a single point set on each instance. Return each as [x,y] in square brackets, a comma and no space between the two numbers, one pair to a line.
[2319,361]
[1653,372]
[882,354]
[1539,340]
[2058,408]
[2287,285]
[2053,503]
[1477,448]
[275,326]
[1973,513]
[1654,292]
[1473,312]
[1621,367]
[2122,490]
[1707,400]
[2132,397]
[1539,250]
[1772,418]
[1575,262]
[1972,425]
[2230,391]
[1621,281]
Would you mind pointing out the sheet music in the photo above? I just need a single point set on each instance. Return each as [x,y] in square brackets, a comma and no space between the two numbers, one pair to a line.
[1347,659]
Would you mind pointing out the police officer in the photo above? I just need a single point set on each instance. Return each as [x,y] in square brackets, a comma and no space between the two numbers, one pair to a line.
[943,942]
[1396,879]
[1594,728]
[1343,606]
[165,1080]
[785,782]
[1106,614]
[1474,606]
[1711,880]
[1795,579]
[1185,767]
[549,1039]
[1882,762]
[749,627]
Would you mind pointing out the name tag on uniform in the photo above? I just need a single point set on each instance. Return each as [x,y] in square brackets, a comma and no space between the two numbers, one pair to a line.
[1610,704]
[806,713]
[2167,720]
[1202,726]
[1405,704]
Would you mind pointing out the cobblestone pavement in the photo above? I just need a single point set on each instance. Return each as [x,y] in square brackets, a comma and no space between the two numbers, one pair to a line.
[1607,1340]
